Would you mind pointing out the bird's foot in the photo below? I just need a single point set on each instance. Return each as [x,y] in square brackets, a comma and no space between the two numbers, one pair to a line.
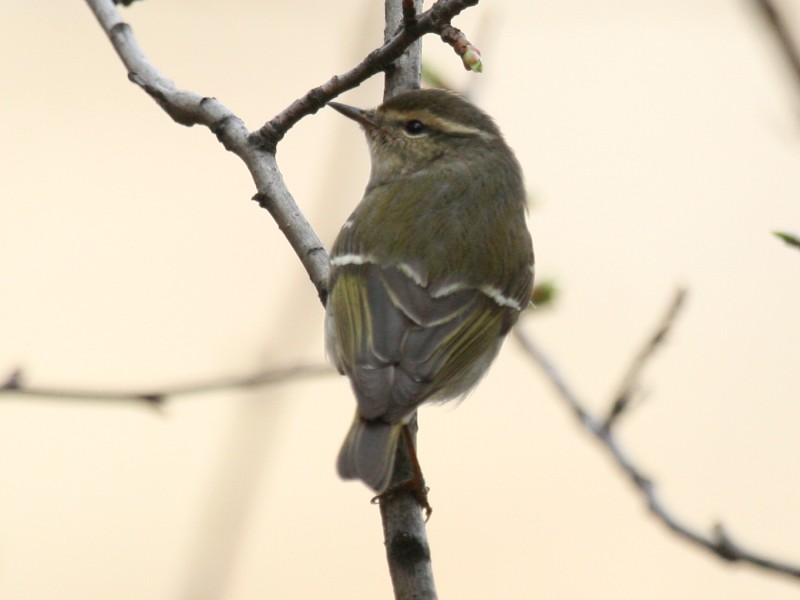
[415,487]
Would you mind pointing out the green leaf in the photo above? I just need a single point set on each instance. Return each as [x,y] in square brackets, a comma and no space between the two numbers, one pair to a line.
[789,238]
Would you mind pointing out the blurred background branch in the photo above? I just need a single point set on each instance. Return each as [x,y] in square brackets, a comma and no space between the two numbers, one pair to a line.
[782,31]
[157,397]
[601,428]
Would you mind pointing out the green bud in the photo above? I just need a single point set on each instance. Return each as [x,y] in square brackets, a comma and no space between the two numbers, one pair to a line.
[544,294]
[472,59]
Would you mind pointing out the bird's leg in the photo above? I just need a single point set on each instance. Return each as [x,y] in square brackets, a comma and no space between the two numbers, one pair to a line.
[416,484]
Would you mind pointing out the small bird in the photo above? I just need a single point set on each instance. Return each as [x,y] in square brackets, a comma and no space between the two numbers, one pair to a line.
[430,271]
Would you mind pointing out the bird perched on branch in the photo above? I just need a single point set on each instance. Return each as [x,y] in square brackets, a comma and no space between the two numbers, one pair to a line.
[430,271]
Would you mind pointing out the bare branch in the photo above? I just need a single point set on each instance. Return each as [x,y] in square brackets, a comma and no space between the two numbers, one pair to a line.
[410,10]
[630,382]
[408,552]
[405,538]
[257,150]
[404,73]
[14,385]
[717,541]
[788,45]
[190,108]
[433,20]
[407,546]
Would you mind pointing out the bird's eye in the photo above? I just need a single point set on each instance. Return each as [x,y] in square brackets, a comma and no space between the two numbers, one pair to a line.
[415,127]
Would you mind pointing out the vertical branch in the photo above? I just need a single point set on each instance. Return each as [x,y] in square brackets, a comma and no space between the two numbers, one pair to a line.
[404,73]
[407,549]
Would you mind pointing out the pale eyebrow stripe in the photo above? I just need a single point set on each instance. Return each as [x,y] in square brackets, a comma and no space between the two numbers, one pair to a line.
[437,122]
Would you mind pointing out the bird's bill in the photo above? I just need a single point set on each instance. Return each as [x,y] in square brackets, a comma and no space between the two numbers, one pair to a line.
[364,117]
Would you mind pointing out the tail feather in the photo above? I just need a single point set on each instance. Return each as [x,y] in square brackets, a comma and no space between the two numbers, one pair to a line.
[368,453]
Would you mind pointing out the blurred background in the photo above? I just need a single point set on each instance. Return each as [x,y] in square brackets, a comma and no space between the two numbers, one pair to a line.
[661,145]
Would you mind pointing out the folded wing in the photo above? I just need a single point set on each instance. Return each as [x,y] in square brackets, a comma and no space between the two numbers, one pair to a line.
[403,345]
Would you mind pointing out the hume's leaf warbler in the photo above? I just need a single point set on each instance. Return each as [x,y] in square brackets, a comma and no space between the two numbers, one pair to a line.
[430,271]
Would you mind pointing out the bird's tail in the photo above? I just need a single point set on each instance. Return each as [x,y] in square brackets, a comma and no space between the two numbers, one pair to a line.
[368,452]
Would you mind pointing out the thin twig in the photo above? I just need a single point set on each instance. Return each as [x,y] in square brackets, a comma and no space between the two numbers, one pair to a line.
[14,385]
[717,541]
[433,20]
[630,381]
[190,108]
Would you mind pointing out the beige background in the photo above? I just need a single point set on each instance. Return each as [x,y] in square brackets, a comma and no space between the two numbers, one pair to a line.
[660,142]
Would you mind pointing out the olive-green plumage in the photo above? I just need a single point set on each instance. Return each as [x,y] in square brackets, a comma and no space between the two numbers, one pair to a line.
[430,271]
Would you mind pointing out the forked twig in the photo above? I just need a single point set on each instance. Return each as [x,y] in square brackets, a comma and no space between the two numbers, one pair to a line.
[717,540]
[630,381]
